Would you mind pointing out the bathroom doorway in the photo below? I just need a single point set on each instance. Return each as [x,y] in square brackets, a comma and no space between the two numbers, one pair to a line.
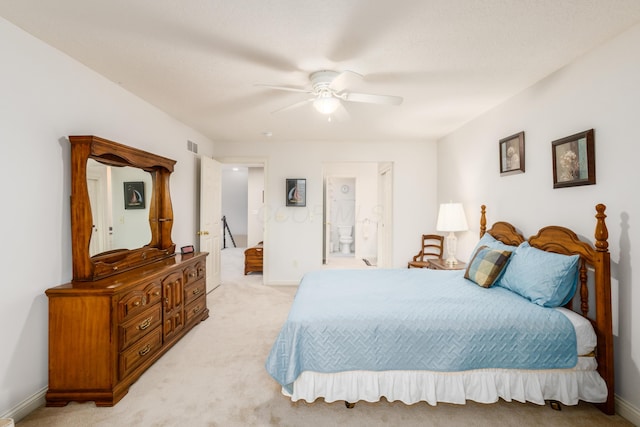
[342,216]
[350,211]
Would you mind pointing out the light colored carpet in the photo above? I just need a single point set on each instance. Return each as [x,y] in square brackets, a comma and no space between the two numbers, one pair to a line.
[215,376]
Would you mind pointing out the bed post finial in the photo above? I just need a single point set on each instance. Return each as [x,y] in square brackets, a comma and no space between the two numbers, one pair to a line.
[601,233]
[483,220]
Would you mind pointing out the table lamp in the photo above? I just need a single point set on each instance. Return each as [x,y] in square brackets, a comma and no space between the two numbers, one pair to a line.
[451,219]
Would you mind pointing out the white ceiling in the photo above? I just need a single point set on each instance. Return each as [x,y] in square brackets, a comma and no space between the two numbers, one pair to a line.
[199,60]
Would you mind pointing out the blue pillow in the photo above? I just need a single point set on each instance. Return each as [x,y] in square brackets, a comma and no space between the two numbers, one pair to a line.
[545,278]
[491,242]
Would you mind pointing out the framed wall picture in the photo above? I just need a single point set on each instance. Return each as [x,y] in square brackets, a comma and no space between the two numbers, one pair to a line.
[574,160]
[134,195]
[512,154]
[296,192]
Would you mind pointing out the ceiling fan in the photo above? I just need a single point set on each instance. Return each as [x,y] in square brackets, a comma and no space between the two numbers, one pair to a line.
[328,90]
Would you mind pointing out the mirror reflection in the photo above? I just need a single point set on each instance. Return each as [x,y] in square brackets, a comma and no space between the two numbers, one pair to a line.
[119,198]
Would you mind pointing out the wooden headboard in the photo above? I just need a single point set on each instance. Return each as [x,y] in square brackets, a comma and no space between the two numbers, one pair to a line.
[592,257]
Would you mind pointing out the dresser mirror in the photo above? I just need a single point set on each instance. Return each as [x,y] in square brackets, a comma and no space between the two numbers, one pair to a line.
[114,224]
[121,212]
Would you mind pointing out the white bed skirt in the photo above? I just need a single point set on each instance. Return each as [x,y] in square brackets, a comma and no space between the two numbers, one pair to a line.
[567,386]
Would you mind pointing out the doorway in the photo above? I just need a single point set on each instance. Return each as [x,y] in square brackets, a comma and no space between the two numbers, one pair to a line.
[243,209]
[353,214]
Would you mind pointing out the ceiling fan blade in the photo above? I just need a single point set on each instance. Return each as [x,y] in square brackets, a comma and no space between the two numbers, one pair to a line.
[341,114]
[341,81]
[290,89]
[373,99]
[366,24]
[292,106]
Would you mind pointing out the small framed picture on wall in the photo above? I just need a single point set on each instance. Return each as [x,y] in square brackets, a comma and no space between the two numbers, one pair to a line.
[512,154]
[296,192]
[574,160]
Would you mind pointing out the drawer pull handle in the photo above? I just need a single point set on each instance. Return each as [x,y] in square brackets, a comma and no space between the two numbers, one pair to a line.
[156,294]
[196,291]
[137,303]
[146,349]
[144,325]
[192,274]
[196,310]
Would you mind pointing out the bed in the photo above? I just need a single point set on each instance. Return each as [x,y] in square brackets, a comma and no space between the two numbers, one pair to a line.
[508,327]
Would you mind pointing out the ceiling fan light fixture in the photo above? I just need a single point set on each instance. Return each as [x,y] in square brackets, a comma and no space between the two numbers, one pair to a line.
[326,104]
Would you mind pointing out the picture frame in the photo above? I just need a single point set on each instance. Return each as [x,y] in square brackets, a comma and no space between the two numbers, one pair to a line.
[296,192]
[574,161]
[134,195]
[512,154]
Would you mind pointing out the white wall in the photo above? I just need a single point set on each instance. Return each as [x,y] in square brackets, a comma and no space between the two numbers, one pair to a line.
[602,91]
[293,235]
[46,96]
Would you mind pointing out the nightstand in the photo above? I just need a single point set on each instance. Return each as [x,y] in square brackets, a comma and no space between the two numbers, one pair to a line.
[440,264]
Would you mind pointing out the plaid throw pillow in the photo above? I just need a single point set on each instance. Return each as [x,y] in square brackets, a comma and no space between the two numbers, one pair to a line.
[486,265]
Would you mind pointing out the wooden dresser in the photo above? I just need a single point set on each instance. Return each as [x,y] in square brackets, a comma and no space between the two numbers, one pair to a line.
[253,259]
[125,306]
[104,334]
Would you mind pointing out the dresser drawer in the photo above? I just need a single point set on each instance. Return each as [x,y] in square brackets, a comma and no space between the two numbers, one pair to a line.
[139,352]
[132,330]
[194,272]
[194,290]
[195,309]
[138,300]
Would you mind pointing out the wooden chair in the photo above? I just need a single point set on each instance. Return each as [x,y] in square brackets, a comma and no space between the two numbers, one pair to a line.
[432,248]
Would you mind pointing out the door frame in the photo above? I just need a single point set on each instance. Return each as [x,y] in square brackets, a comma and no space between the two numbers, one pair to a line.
[263,163]
[385,222]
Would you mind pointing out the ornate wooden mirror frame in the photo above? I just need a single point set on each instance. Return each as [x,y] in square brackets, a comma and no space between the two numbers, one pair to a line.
[86,267]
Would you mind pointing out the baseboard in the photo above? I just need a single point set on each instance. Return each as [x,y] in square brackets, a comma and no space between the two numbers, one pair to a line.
[284,283]
[627,411]
[27,406]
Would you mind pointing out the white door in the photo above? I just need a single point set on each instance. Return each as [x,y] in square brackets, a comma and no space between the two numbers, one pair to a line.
[385,232]
[326,223]
[96,184]
[211,217]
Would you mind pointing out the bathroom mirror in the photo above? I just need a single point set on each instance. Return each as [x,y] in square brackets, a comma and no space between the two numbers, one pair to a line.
[108,235]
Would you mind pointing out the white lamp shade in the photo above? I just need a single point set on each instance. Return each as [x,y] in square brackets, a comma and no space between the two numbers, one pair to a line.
[326,104]
[451,218]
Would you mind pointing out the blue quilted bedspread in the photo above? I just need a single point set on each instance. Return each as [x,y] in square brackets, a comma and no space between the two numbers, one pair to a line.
[414,319]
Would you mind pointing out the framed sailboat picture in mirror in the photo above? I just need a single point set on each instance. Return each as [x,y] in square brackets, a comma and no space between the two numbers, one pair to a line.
[134,195]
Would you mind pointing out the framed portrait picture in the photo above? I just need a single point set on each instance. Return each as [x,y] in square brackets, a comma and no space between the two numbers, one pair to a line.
[574,160]
[134,195]
[296,192]
[512,154]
